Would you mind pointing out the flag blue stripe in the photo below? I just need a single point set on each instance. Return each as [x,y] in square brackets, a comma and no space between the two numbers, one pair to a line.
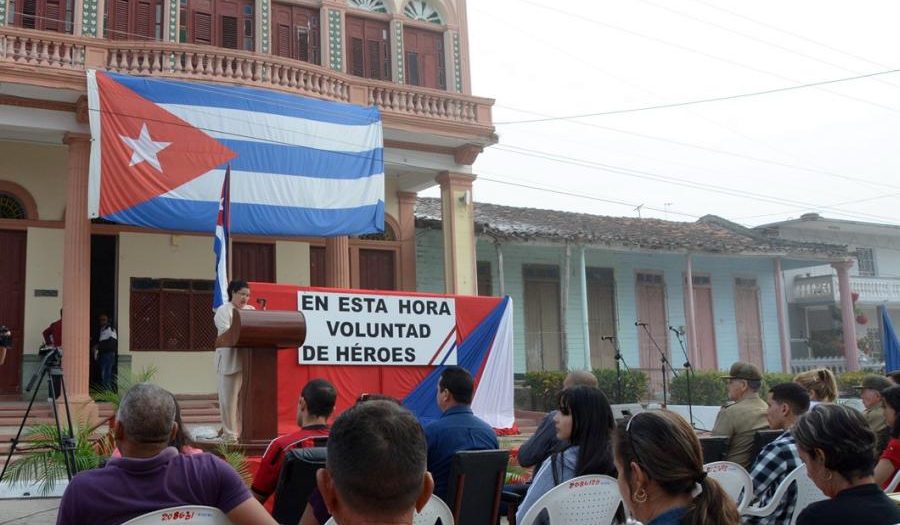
[258,219]
[260,157]
[249,99]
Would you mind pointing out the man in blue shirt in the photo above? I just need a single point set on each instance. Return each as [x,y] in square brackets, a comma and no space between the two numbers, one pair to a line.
[457,429]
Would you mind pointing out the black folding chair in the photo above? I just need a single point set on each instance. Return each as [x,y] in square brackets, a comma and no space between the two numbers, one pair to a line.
[714,448]
[296,482]
[475,484]
[763,438]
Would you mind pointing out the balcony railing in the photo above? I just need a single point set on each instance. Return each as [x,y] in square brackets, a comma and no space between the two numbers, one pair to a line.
[193,62]
[824,289]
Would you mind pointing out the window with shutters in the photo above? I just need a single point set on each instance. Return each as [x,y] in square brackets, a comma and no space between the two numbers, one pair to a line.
[222,23]
[483,273]
[865,260]
[45,15]
[296,33]
[425,61]
[171,314]
[134,19]
[368,48]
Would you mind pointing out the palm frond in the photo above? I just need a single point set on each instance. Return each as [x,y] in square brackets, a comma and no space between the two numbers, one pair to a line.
[237,460]
[114,395]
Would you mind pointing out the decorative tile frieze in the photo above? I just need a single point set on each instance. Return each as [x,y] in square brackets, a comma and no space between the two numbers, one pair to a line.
[457,62]
[264,32]
[335,40]
[398,50]
[89,24]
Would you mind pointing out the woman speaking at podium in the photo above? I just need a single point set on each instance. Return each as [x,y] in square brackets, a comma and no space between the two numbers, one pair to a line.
[228,362]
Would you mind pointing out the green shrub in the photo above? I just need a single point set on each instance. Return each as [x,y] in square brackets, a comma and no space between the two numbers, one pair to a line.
[707,388]
[848,380]
[545,387]
[634,384]
[771,379]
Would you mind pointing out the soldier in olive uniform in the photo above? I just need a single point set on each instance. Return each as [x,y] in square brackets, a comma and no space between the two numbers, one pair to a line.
[740,419]
[871,387]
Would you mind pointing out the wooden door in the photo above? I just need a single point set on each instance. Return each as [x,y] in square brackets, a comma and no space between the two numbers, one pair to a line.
[223,23]
[12,307]
[296,32]
[368,48]
[601,316]
[746,311]
[704,322]
[317,266]
[253,262]
[44,15]
[134,19]
[376,270]
[424,58]
[543,341]
[651,309]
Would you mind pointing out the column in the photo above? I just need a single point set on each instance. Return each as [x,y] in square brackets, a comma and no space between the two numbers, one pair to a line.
[458,219]
[585,317]
[690,316]
[851,352]
[407,238]
[337,262]
[781,311]
[77,281]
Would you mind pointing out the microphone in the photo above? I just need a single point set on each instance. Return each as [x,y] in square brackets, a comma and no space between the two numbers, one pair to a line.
[607,338]
[676,330]
[638,323]
[263,302]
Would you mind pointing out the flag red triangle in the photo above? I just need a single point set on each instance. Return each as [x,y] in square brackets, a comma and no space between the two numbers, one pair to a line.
[145,150]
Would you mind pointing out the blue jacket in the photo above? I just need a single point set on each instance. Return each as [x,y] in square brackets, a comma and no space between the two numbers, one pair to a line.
[457,429]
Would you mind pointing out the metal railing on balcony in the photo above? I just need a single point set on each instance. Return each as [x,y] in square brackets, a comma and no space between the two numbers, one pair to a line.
[824,288]
[194,62]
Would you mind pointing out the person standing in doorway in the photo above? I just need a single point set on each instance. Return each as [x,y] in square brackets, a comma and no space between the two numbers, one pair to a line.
[228,362]
[106,351]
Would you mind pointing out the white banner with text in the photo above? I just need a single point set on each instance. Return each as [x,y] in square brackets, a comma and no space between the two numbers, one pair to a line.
[368,329]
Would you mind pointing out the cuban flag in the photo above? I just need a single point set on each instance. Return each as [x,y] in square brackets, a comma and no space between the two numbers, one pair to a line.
[220,244]
[299,166]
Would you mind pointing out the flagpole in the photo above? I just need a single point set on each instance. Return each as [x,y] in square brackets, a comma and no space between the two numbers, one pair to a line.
[228,190]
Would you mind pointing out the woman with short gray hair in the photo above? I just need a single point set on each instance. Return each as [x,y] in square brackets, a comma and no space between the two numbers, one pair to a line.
[838,449]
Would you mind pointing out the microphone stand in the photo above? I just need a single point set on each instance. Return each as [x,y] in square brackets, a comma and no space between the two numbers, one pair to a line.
[618,358]
[690,372]
[663,361]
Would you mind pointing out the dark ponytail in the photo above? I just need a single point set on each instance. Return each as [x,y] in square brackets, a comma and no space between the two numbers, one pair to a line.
[667,450]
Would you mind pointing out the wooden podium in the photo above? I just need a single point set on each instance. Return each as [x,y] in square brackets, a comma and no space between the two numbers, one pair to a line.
[259,334]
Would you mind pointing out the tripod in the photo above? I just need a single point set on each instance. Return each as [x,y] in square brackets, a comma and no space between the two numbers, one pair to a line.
[619,359]
[51,367]
[689,371]
[664,363]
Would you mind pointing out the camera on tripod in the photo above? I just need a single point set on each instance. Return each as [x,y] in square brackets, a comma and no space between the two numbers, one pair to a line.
[51,364]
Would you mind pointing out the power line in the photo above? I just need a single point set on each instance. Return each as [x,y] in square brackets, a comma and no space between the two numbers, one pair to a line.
[703,100]
[582,17]
[679,182]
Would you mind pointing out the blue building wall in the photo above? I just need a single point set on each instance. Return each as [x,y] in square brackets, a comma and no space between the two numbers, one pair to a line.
[721,270]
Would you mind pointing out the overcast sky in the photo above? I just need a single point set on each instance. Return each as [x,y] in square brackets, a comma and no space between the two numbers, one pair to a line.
[832,149]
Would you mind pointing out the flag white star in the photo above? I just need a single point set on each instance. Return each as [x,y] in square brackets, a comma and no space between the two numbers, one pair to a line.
[145,149]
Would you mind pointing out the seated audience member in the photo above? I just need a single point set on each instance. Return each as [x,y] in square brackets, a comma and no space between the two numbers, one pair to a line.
[661,476]
[457,429]
[180,440]
[837,447]
[151,475]
[820,383]
[376,466]
[889,463]
[870,392]
[584,423]
[314,407]
[544,441]
[787,402]
[316,513]
[740,420]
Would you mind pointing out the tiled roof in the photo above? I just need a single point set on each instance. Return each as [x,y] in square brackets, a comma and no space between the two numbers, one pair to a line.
[710,234]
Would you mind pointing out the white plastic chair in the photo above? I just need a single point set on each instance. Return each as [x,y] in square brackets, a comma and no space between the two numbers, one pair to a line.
[807,492]
[193,514]
[434,509]
[735,481]
[585,500]
[892,486]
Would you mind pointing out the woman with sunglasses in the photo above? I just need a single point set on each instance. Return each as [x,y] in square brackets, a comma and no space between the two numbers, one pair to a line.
[661,476]
[583,425]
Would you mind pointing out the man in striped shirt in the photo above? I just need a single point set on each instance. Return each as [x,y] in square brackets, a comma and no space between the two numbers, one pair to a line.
[776,460]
